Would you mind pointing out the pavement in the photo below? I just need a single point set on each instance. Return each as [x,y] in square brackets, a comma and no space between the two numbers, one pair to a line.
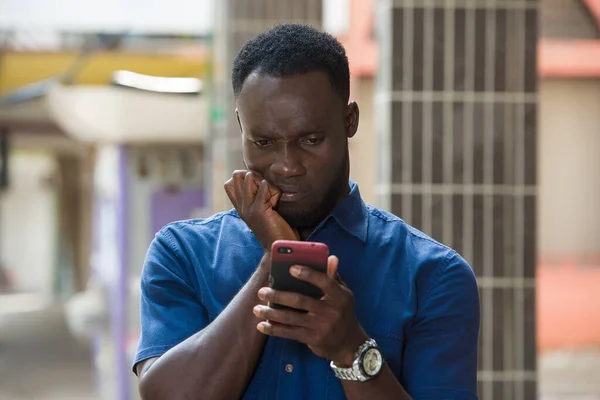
[569,374]
[39,359]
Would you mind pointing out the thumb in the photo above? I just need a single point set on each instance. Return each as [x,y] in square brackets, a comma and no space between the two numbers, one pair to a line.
[332,266]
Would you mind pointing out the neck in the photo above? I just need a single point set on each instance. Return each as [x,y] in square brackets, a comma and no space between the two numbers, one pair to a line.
[305,233]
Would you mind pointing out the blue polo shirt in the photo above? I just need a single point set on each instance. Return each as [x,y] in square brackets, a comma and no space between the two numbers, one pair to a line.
[416,297]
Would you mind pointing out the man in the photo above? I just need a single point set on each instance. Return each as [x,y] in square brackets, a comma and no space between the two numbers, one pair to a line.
[399,318]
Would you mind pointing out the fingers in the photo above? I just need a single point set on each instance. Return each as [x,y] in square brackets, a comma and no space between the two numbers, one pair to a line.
[289,299]
[285,331]
[268,194]
[242,188]
[250,187]
[332,265]
[282,316]
[274,194]
[263,197]
[230,191]
[327,284]
[238,183]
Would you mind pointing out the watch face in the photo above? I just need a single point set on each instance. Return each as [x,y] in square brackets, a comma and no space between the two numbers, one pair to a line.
[372,362]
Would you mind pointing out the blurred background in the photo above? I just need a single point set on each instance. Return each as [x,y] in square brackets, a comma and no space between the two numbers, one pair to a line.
[480,124]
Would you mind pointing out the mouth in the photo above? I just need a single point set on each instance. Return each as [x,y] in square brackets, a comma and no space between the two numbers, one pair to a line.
[289,197]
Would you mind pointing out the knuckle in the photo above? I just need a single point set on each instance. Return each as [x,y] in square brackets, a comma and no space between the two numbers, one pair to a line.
[274,297]
[238,174]
[287,318]
[297,301]
[266,313]
[300,302]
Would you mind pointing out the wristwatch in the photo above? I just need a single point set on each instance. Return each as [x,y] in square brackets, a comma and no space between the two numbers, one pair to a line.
[366,366]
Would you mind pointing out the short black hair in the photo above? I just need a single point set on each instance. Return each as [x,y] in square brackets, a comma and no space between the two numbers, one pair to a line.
[292,49]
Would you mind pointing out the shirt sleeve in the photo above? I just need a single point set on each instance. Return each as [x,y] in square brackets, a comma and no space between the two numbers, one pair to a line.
[170,308]
[440,359]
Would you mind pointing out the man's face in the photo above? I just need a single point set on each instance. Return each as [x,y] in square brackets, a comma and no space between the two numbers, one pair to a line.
[295,133]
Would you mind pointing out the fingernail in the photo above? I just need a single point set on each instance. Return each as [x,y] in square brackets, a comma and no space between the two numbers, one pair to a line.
[295,271]
[262,327]
[264,292]
[256,310]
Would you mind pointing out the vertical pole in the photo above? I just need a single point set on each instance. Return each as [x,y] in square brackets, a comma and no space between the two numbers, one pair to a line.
[4,153]
[120,290]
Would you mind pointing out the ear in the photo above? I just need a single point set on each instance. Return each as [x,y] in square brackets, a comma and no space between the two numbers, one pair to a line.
[237,116]
[352,117]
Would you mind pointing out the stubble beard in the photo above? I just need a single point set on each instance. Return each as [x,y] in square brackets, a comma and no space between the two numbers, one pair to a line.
[310,218]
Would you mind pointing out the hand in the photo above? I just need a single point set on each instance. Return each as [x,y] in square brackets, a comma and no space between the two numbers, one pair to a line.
[329,327]
[254,199]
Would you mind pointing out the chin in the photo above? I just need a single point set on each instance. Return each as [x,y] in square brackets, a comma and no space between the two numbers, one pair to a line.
[292,213]
[300,217]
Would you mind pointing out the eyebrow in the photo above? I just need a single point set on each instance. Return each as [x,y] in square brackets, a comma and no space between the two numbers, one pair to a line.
[257,135]
[312,132]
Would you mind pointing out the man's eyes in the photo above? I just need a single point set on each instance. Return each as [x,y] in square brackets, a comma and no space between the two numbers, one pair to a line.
[309,141]
[263,142]
[313,141]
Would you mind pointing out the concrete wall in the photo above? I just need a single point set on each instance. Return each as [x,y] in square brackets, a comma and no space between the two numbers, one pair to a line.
[569,169]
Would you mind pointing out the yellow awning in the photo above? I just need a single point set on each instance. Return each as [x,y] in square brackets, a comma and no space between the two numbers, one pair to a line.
[21,68]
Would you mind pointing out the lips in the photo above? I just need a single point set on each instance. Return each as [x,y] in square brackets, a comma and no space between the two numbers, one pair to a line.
[290,196]
[290,193]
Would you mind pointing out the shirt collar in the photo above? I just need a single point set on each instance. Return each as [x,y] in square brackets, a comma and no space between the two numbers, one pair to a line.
[352,214]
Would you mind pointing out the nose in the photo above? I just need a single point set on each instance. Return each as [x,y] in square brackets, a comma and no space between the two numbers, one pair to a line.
[288,162]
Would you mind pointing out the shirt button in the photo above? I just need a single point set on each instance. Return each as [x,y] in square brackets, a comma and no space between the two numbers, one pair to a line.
[289,368]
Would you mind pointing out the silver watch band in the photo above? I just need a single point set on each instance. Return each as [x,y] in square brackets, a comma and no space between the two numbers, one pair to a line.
[354,373]
[348,374]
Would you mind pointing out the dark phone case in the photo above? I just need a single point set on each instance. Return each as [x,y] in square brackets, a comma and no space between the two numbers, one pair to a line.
[310,254]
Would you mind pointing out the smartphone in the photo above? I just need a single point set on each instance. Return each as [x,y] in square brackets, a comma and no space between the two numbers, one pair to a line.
[285,254]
